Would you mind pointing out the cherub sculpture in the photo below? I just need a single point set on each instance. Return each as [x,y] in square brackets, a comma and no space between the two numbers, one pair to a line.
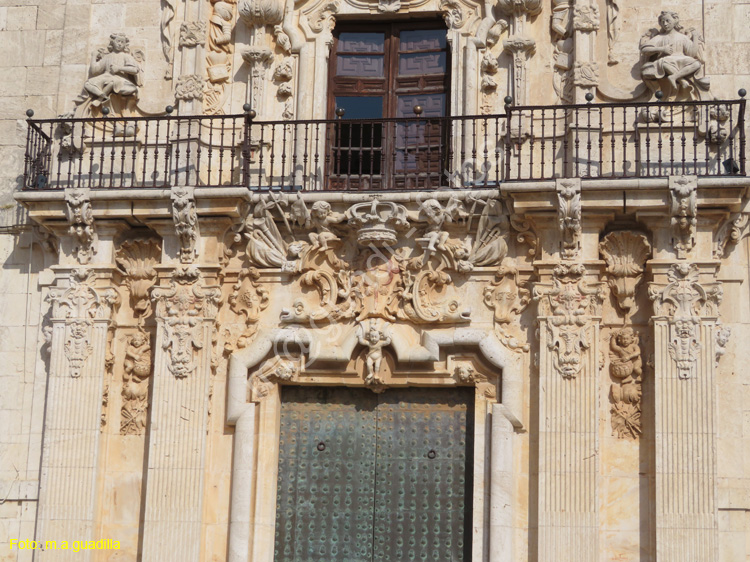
[437,218]
[626,365]
[671,59]
[375,340]
[320,218]
[135,384]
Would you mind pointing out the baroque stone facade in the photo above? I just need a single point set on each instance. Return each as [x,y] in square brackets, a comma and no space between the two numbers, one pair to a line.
[191,237]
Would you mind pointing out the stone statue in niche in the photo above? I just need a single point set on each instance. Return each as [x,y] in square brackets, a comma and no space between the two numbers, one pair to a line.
[135,385]
[113,70]
[375,340]
[626,369]
[671,60]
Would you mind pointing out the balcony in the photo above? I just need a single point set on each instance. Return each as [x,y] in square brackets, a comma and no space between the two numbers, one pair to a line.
[533,143]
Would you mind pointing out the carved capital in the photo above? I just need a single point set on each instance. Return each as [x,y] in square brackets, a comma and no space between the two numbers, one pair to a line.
[453,13]
[259,13]
[181,310]
[626,253]
[569,216]
[81,219]
[567,309]
[519,7]
[683,205]
[325,17]
[185,219]
[79,306]
[685,303]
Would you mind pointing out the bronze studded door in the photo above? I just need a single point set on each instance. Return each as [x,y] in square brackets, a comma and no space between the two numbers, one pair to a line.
[374,478]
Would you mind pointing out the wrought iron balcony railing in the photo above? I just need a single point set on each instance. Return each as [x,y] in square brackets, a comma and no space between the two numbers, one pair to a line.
[622,140]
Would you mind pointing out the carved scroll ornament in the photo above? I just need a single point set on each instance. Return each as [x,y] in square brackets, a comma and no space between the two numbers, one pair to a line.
[508,298]
[684,212]
[137,259]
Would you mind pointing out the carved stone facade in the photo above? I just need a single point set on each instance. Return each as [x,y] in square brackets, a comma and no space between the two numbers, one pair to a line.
[597,318]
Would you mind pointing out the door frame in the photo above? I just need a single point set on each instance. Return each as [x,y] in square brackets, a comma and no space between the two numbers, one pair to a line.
[492,497]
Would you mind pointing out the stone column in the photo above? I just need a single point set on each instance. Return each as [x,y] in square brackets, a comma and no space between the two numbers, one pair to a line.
[186,308]
[502,486]
[82,306]
[569,318]
[686,298]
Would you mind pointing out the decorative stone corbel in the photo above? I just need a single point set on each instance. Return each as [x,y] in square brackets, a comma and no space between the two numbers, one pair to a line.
[508,298]
[626,253]
[181,310]
[567,309]
[731,231]
[569,216]
[453,14]
[81,219]
[325,17]
[185,219]
[683,199]
[275,370]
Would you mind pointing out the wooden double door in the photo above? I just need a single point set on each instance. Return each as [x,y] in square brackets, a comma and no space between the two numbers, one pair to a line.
[367,477]
[378,74]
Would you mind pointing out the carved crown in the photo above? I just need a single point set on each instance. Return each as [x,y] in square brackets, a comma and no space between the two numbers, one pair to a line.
[377,222]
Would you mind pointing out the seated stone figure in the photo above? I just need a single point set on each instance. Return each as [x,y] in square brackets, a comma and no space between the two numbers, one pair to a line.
[113,71]
[672,59]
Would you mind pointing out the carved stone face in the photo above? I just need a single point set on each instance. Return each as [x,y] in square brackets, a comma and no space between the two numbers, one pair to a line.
[119,43]
[138,340]
[667,22]
[320,210]
[373,336]
[625,338]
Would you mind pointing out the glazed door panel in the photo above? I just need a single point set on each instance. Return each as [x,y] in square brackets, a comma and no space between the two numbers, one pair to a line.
[374,478]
